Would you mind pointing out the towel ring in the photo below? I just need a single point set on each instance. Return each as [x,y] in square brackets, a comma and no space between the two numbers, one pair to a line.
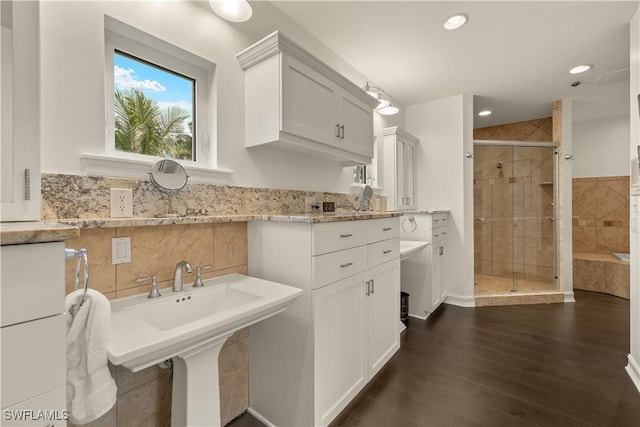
[412,220]
[81,258]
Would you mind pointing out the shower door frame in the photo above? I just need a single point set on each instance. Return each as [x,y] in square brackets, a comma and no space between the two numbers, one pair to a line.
[556,220]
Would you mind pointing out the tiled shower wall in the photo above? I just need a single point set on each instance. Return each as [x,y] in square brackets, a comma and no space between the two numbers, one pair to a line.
[513,237]
[601,214]
[144,398]
[521,188]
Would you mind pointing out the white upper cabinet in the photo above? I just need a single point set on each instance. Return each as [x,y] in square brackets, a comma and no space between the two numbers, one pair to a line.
[295,101]
[400,168]
[20,94]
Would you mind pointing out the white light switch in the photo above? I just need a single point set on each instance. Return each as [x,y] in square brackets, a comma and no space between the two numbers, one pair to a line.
[120,250]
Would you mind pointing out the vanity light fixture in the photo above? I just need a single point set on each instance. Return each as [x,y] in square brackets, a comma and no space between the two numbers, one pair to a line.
[484,113]
[580,69]
[232,10]
[456,21]
[385,107]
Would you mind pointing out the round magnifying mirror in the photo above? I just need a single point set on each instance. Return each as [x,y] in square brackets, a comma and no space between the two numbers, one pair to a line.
[168,175]
[367,191]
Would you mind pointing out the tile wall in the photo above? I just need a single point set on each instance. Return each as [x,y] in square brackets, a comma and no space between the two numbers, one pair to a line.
[601,214]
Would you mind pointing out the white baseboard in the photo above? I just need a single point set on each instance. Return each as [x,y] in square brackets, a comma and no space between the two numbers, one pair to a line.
[633,369]
[569,297]
[260,418]
[460,301]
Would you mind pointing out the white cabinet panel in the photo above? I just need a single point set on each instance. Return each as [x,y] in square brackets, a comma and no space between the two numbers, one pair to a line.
[340,344]
[20,190]
[319,111]
[48,409]
[335,236]
[384,311]
[27,292]
[383,229]
[33,358]
[381,252]
[334,266]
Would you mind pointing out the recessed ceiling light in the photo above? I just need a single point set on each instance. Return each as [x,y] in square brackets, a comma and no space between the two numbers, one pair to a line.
[456,21]
[484,113]
[580,69]
[232,10]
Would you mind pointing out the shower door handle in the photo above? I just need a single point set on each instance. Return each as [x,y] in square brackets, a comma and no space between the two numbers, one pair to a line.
[550,218]
[479,218]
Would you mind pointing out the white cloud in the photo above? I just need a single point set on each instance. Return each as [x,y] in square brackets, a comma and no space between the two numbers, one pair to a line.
[125,79]
[185,105]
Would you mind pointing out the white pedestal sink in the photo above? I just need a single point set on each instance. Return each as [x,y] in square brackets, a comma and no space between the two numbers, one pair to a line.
[190,327]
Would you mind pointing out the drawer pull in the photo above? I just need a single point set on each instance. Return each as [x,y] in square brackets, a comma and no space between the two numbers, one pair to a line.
[388,251]
[349,264]
[437,235]
[387,229]
[346,235]
[444,232]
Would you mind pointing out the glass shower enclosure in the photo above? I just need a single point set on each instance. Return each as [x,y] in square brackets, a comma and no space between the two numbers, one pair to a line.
[515,211]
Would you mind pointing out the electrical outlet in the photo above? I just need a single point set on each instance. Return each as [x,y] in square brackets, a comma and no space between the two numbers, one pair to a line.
[121,203]
[310,205]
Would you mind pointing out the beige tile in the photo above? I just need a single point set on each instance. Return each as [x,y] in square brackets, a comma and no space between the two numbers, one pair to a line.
[102,272]
[147,405]
[539,135]
[612,239]
[589,275]
[233,369]
[584,239]
[229,245]
[127,380]
[156,250]
[617,280]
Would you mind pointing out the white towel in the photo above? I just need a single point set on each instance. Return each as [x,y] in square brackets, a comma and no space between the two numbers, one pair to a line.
[91,391]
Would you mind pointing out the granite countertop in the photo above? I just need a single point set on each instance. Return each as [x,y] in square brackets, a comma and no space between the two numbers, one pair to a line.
[63,229]
[432,211]
[17,233]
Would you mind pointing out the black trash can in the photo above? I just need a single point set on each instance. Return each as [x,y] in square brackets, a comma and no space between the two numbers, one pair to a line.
[404,307]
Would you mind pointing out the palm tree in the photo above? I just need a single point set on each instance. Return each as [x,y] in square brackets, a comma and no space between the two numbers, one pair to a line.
[141,127]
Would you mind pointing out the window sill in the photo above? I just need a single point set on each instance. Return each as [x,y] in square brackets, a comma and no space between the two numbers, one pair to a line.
[121,167]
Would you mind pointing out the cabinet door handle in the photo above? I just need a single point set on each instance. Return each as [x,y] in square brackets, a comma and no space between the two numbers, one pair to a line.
[373,286]
[388,251]
[444,232]
[441,250]
[342,131]
[337,130]
[27,184]
[387,229]
[368,291]
[348,264]
[346,235]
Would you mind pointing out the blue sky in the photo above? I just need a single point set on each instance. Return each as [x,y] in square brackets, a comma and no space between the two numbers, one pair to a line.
[166,88]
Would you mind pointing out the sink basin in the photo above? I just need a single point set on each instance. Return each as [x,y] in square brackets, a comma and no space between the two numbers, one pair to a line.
[190,327]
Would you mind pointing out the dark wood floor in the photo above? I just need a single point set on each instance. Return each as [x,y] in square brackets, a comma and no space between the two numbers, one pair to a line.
[530,365]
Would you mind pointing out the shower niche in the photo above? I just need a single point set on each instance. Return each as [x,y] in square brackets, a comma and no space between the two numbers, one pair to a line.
[515,217]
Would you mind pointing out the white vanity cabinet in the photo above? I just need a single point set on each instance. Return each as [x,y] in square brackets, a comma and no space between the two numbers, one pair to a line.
[295,101]
[33,334]
[424,275]
[20,89]
[400,170]
[326,346]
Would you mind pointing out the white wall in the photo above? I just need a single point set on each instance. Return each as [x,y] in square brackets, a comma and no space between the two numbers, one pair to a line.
[73,86]
[601,147]
[633,367]
[445,180]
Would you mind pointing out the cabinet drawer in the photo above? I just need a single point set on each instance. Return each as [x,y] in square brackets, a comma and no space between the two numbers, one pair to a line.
[382,229]
[32,281]
[33,358]
[439,220]
[381,252]
[438,234]
[335,236]
[53,403]
[332,267]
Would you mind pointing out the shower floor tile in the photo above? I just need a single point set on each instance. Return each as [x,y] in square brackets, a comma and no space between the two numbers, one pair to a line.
[495,285]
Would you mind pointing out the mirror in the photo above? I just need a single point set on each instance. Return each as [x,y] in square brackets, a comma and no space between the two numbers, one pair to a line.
[170,177]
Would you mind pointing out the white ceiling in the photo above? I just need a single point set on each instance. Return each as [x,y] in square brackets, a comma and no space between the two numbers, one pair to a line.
[513,55]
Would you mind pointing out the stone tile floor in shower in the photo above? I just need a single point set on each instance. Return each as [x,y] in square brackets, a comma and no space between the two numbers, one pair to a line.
[492,285]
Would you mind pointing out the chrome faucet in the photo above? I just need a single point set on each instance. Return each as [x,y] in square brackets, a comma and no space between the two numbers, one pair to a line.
[177,275]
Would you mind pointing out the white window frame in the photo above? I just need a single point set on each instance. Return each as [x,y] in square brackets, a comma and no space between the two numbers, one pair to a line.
[129,40]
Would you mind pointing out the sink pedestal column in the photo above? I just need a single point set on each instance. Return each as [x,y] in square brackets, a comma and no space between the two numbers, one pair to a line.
[196,388]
